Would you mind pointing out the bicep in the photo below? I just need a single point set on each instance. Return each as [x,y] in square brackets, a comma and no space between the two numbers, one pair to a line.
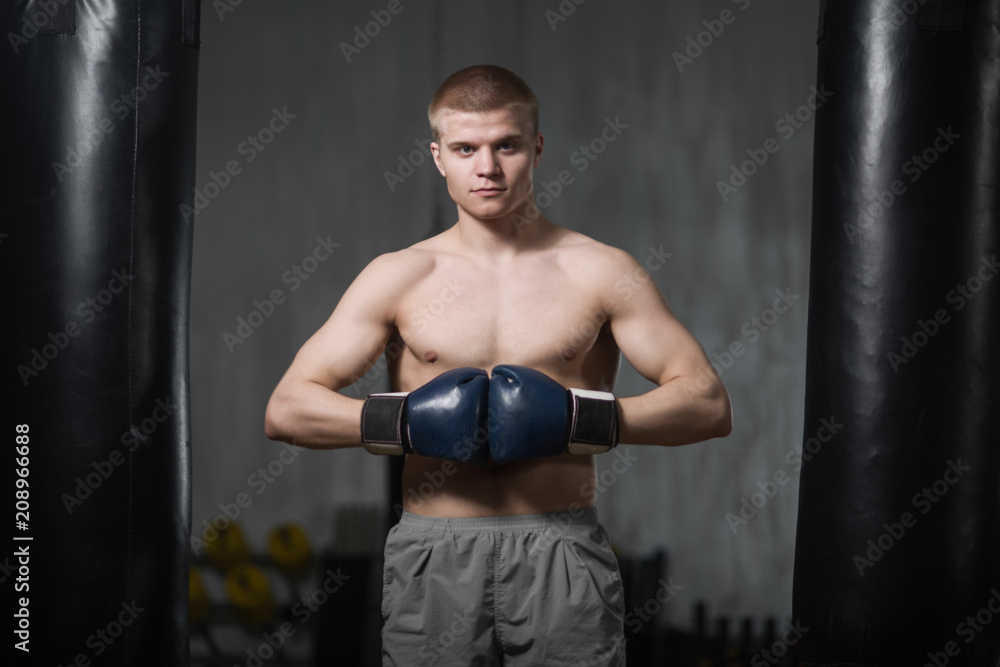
[352,339]
[657,345]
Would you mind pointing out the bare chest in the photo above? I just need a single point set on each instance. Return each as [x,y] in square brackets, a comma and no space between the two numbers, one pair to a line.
[538,315]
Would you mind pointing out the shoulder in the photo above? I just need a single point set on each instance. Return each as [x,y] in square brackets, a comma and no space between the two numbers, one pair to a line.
[400,266]
[617,279]
[591,258]
[387,278]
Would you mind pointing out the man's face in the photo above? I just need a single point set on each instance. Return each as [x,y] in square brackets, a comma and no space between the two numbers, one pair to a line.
[488,160]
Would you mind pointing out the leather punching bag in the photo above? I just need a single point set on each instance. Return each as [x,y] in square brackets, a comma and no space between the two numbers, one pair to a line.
[897,556]
[99,115]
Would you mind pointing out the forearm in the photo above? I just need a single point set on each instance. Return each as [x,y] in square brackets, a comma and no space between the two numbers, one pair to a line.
[678,412]
[311,415]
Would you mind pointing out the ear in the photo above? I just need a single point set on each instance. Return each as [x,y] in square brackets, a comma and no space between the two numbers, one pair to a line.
[539,146]
[436,153]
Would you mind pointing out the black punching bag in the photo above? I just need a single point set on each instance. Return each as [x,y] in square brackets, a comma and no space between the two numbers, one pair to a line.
[98,156]
[897,555]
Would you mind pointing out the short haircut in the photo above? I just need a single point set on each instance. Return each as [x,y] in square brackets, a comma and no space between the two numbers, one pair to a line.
[482,88]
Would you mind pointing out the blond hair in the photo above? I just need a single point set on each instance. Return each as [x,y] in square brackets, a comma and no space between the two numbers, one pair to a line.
[482,88]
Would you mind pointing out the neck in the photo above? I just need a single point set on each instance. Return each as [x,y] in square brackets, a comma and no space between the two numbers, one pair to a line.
[521,230]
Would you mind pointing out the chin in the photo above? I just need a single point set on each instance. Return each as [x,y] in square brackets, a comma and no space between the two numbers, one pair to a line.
[490,215]
[489,212]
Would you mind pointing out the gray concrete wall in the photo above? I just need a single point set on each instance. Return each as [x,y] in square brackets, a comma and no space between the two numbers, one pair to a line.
[322,176]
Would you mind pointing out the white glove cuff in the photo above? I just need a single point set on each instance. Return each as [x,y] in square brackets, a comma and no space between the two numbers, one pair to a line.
[594,424]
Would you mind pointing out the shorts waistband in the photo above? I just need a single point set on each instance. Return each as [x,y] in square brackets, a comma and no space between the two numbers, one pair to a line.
[578,516]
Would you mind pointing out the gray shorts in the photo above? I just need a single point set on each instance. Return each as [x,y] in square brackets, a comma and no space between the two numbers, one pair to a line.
[517,590]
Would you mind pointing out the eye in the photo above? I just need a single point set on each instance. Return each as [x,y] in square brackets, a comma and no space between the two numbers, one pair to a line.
[507,146]
[461,150]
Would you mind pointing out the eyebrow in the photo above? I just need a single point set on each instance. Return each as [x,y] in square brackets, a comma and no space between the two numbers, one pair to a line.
[509,137]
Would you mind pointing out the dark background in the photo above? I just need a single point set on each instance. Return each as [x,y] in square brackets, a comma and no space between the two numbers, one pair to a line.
[655,187]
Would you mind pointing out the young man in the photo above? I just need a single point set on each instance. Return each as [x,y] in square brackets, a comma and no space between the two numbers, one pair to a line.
[503,336]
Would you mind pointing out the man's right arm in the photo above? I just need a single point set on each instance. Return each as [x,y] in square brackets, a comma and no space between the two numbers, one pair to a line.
[305,408]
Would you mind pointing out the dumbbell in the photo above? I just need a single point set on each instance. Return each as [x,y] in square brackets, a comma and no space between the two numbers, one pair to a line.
[290,551]
[249,592]
[229,548]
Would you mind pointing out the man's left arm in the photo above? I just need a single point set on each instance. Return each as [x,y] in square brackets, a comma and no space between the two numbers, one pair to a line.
[690,403]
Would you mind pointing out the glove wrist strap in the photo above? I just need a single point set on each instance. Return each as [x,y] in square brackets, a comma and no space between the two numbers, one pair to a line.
[383,424]
[594,424]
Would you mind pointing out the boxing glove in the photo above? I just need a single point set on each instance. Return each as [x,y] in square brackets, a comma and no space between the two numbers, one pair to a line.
[445,418]
[539,417]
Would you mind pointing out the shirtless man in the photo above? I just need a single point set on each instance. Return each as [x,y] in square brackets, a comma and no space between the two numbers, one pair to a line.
[473,573]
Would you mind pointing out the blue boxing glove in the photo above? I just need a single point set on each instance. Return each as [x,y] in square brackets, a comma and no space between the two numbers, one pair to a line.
[539,417]
[444,419]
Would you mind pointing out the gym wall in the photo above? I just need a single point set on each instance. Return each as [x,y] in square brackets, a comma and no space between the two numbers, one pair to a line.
[697,118]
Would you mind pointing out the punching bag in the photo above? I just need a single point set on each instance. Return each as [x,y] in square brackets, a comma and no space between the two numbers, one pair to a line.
[897,555]
[99,134]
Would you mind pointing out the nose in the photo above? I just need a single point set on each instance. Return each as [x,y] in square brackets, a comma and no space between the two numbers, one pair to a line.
[487,163]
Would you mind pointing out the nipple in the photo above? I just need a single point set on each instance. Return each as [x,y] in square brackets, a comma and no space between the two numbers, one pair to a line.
[430,356]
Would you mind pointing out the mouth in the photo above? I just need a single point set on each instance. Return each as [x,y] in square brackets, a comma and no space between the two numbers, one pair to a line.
[489,191]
